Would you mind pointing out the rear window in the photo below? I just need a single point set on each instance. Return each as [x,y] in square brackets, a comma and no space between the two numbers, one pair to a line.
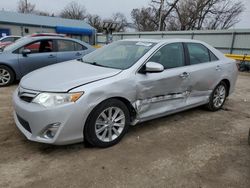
[198,53]
[68,46]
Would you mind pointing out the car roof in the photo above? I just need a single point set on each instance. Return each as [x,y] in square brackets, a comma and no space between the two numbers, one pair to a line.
[9,36]
[52,37]
[158,41]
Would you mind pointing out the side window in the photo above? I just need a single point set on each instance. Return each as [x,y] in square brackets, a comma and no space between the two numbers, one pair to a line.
[79,47]
[15,39]
[198,53]
[170,56]
[43,46]
[65,46]
[8,39]
[213,57]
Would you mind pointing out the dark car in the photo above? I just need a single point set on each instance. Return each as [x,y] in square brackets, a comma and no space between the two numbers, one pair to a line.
[33,52]
[8,40]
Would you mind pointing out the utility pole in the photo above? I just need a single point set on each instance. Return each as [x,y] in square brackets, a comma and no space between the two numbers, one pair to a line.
[160,17]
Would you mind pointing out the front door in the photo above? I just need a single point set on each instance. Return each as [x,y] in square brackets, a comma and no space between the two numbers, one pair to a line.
[167,91]
[41,54]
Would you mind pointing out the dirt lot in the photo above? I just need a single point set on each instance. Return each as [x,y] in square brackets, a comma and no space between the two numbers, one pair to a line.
[192,149]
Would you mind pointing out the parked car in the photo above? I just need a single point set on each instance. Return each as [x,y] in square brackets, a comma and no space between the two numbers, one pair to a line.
[7,40]
[121,84]
[33,52]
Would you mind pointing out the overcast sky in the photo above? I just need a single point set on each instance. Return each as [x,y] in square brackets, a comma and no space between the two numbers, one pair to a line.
[105,8]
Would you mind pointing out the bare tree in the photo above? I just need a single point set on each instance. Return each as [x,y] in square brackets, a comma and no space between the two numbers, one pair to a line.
[163,9]
[207,14]
[188,14]
[25,7]
[74,10]
[144,19]
[121,20]
[226,16]
[95,21]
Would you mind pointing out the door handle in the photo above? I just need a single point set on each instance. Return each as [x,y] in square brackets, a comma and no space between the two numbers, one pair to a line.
[51,56]
[218,68]
[184,75]
[78,54]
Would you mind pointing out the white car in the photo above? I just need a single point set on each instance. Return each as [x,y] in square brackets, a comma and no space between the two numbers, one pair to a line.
[121,84]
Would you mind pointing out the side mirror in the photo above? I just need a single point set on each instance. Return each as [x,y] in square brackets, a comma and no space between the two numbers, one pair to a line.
[153,67]
[25,52]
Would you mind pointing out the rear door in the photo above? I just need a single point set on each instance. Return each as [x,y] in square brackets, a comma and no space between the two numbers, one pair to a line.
[42,54]
[163,92]
[205,72]
[69,50]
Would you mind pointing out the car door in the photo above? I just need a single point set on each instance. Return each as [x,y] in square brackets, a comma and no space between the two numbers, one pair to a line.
[167,91]
[69,50]
[205,72]
[41,54]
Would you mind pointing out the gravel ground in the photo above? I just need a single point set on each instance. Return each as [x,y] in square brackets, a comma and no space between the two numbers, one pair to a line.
[195,148]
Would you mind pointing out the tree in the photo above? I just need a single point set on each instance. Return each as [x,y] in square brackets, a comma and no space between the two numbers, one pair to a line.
[188,14]
[207,14]
[121,20]
[144,19]
[162,12]
[74,10]
[95,21]
[25,7]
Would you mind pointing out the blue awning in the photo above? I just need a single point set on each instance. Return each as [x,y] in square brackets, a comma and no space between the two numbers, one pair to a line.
[74,30]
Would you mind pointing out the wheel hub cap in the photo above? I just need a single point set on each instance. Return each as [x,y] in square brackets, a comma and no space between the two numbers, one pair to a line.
[219,96]
[4,76]
[110,124]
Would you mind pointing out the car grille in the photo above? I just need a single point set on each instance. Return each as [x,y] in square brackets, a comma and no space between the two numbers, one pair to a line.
[24,123]
[26,95]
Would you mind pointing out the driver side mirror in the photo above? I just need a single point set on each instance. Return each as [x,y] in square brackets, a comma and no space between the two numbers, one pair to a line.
[153,67]
[25,52]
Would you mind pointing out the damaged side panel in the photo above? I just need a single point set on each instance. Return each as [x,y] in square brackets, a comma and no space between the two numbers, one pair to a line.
[159,93]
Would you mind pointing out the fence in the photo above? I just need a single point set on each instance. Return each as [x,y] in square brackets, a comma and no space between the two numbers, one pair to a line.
[227,41]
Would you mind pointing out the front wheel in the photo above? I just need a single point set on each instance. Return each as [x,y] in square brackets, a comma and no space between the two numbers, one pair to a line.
[218,97]
[107,123]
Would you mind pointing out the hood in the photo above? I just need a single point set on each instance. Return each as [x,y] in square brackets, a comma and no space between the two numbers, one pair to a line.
[64,76]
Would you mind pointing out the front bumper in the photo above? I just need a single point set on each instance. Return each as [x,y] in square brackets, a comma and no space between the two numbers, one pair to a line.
[33,119]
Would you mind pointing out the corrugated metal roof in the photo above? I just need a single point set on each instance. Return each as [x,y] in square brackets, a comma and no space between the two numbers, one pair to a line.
[30,19]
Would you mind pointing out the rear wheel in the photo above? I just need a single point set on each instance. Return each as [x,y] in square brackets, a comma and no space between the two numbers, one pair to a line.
[218,97]
[107,123]
[6,76]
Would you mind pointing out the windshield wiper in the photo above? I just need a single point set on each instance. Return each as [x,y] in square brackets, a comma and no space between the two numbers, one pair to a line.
[94,63]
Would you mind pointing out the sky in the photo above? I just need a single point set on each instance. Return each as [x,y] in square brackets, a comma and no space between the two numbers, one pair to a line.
[105,8]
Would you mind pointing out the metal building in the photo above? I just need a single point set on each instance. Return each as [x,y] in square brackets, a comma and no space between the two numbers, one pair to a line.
[12,23]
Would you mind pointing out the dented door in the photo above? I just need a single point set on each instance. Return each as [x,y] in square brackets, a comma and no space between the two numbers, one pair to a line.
[160,93]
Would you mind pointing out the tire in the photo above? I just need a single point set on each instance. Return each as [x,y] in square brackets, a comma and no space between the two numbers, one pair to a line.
[100,125]
[7,76]
[216,104]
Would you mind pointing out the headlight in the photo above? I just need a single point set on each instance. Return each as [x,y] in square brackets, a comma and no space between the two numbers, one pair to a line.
[55,99]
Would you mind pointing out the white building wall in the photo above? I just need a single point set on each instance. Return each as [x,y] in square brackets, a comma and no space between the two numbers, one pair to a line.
[20,29]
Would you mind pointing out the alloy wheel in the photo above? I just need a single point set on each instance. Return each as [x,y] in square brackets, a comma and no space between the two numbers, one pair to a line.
[110,124]
[4,77]
[219,96]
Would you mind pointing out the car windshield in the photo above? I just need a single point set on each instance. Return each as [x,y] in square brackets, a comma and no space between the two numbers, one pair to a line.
[118,55]
[19,43]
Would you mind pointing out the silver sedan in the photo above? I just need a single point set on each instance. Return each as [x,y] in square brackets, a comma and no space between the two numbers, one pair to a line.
[129,81]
